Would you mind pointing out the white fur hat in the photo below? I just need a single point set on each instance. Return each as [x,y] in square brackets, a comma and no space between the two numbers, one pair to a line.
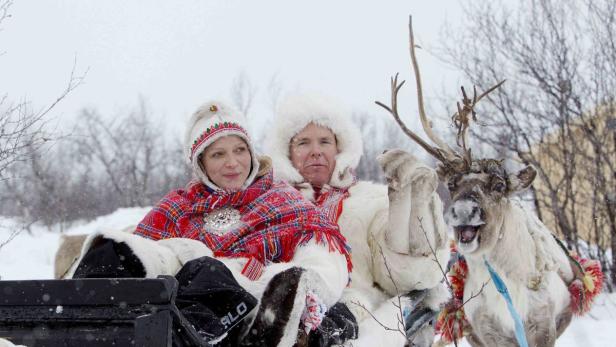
[210,122]
[293,114]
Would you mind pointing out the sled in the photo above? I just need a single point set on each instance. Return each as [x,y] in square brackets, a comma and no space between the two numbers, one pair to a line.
[94,312]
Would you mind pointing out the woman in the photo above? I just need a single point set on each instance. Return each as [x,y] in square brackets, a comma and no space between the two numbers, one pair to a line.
[274,243]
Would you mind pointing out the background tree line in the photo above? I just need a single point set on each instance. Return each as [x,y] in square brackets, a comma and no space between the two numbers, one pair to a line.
[106,163]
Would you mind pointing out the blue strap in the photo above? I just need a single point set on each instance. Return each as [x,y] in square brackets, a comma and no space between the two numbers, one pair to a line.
[502,288]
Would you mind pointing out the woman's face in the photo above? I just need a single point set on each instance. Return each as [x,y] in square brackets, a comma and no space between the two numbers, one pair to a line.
[313,153]
[227,162]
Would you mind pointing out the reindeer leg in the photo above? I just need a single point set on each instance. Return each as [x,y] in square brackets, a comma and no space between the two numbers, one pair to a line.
[563,320]
[474,340]
[541,334]
[488,332]
[541,328]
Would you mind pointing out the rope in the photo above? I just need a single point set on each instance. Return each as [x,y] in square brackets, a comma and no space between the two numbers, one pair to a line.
[502,289]
[571,259]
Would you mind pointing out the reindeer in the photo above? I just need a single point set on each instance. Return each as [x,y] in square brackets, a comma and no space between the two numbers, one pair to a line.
[488,225]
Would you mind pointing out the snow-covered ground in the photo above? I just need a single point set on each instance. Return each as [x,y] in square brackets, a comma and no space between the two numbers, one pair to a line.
[30,254]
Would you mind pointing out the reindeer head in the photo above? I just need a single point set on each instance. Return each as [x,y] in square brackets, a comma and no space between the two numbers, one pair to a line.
[479,187]
[478,200]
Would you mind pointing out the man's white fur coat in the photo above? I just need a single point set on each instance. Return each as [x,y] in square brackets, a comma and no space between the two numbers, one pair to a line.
[387,258]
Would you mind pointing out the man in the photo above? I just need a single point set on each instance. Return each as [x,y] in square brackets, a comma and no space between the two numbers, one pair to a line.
[396,232]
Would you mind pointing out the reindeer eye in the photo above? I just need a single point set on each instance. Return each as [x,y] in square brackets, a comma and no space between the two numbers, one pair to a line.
[499,187]
[451,185]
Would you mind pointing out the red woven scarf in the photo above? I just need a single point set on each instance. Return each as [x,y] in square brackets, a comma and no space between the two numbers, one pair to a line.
[330,202]
[274,220]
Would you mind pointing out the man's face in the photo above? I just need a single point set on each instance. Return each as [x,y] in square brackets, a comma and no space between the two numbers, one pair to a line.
[313,153]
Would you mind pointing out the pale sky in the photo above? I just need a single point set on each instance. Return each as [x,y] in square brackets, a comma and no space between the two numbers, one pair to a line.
[179,54]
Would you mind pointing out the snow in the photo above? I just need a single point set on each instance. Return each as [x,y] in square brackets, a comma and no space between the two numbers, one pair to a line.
[596,329]
[30,254]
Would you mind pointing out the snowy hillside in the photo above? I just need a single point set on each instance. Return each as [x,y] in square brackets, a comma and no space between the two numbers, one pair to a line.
[29,255]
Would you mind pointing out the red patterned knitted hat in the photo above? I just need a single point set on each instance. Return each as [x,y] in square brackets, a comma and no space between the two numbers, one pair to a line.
[210,122]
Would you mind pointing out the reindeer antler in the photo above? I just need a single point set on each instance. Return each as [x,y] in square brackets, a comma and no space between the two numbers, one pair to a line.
[442,151]
[461,119]
[395,88]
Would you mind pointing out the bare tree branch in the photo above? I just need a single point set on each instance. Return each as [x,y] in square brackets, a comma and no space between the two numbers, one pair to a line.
[560,61]
[243,92]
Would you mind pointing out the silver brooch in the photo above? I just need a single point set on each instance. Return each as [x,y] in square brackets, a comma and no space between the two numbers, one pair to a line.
[221,221]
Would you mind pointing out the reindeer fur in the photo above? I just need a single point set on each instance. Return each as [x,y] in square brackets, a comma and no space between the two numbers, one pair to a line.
[535,270]
[488,225]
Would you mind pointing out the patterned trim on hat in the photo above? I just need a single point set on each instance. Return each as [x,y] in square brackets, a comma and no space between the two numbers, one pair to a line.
[213,130]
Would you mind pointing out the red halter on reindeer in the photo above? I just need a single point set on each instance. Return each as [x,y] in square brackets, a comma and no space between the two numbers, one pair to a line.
[546,284]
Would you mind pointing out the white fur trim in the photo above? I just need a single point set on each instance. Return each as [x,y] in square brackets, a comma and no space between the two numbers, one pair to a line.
[7,343]
[206,116]
[289,335]
[293,114]
[326,275]
[331,267]
[328,267]
[186,249]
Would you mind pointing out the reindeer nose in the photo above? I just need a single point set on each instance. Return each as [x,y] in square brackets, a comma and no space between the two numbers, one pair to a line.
[465,212]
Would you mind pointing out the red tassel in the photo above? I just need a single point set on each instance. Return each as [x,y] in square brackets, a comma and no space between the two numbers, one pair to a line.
[451,322]
[457,276]
[583,292]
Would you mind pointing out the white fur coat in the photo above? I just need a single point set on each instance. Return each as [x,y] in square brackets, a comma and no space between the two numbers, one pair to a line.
[364,223]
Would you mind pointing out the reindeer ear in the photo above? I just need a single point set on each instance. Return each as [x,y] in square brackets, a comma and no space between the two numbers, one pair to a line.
[522,179]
